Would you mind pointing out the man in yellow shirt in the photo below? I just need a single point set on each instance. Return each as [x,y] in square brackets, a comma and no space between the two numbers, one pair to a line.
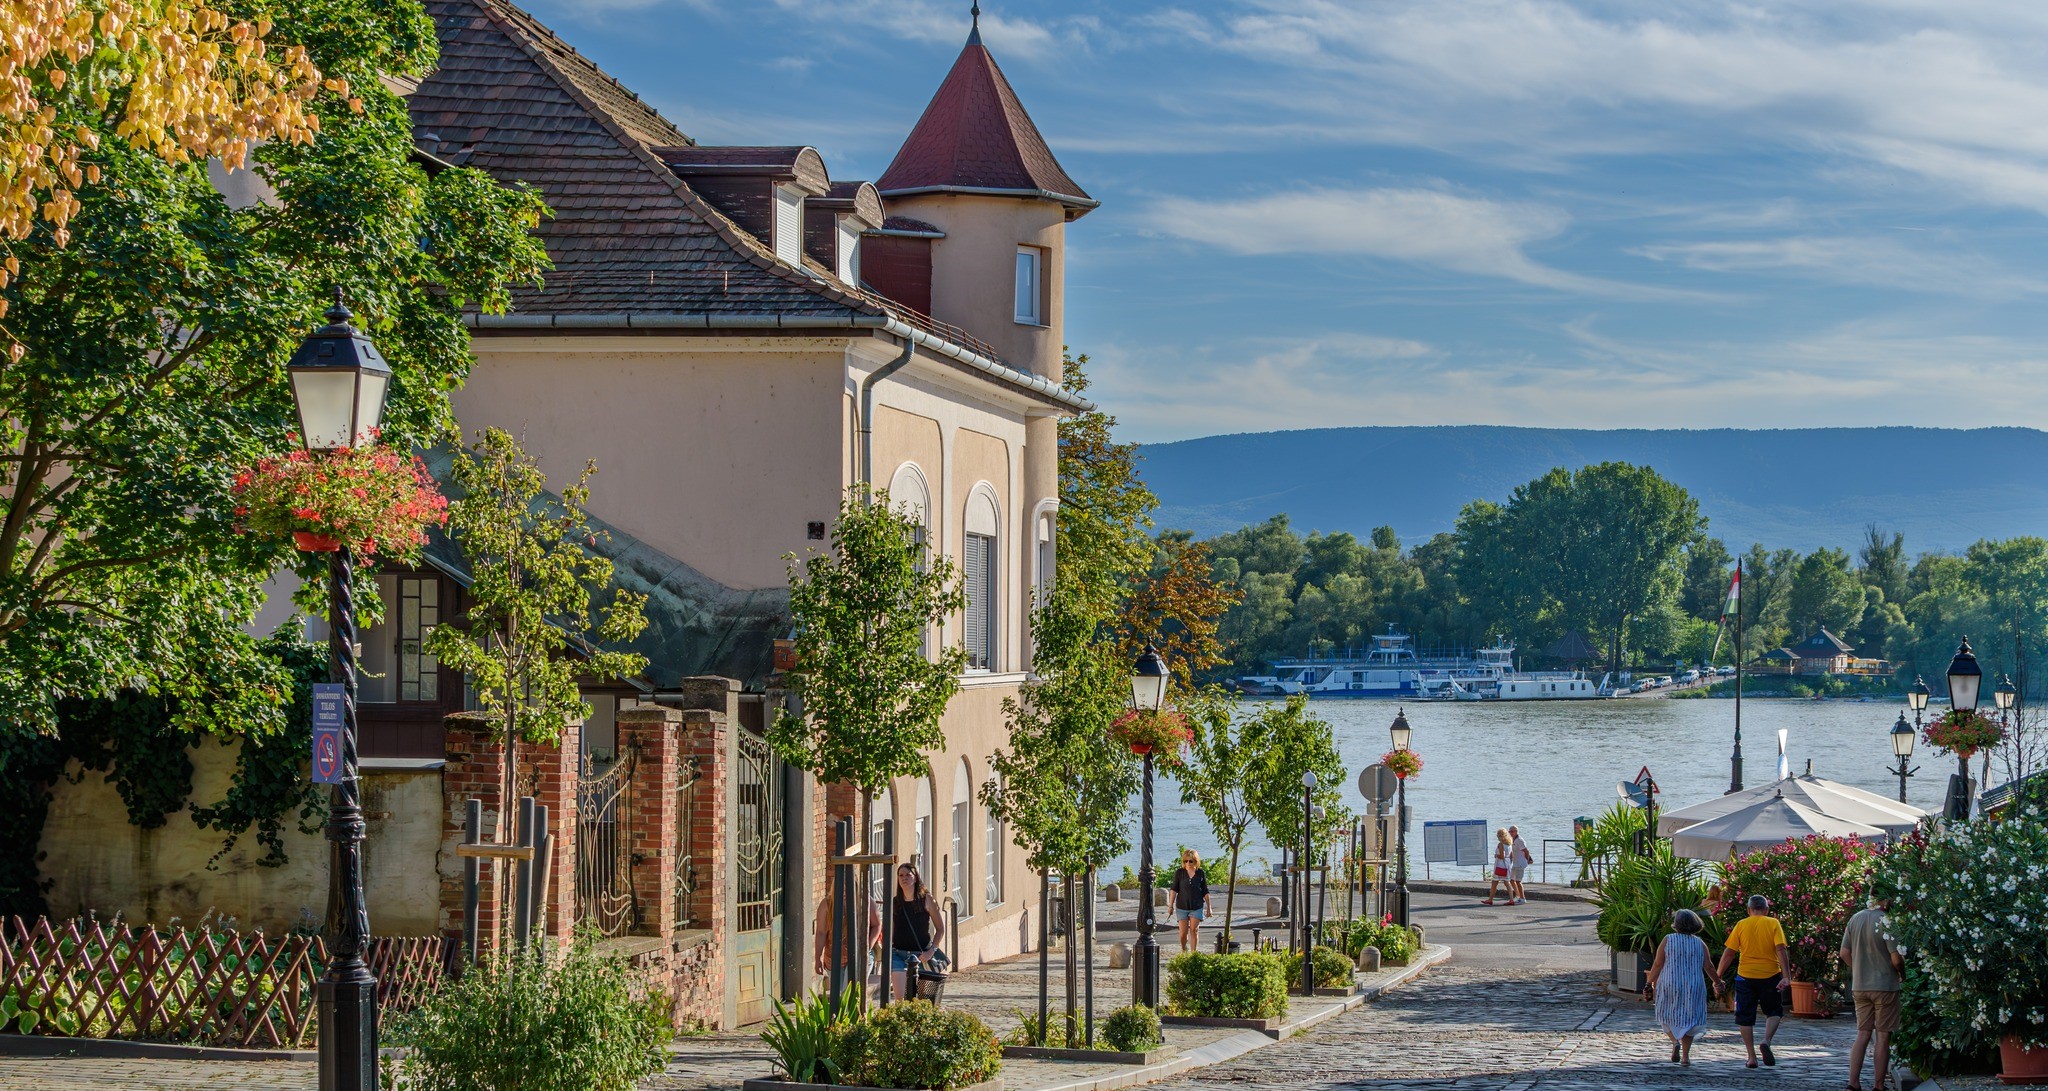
[1762,977]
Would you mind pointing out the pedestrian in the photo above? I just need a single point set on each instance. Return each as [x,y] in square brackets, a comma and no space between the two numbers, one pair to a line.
[1874,965]
[916,930]
[1519,860]
[1762,976]
[1500,867]
[826,930]
[1679,980]
[1190,899]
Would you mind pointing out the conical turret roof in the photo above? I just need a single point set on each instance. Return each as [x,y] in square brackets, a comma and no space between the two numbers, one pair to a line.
[975,137]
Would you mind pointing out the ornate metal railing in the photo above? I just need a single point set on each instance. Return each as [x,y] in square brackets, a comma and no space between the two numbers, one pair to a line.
[604,847]
[757,834]
[687,775]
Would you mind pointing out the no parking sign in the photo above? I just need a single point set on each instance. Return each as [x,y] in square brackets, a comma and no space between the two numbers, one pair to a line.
[327,705]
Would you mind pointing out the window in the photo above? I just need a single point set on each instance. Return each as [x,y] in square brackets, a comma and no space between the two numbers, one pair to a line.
[980,572]
[396,665]
[1030,280]
[789,224]
[992,839]
[848,249]
[956,876]
[1045,556]
[922,854]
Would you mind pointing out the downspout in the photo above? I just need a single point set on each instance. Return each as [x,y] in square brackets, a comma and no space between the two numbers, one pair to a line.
[867,411]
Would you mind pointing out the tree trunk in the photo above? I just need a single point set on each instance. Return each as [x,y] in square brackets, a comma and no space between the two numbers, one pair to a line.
[1230,896]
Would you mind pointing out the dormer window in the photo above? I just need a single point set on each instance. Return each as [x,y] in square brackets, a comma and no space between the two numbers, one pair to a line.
[1030,286]
[789,223]
[847,248]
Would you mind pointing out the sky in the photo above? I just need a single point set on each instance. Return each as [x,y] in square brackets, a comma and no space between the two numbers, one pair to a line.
[1566,213]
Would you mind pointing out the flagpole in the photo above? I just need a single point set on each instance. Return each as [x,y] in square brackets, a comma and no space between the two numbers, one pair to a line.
[1735,774]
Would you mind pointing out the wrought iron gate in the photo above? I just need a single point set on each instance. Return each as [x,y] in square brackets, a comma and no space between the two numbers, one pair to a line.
[604,847]
[757,858]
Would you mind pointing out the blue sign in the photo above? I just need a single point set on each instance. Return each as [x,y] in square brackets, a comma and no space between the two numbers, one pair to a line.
[327,725]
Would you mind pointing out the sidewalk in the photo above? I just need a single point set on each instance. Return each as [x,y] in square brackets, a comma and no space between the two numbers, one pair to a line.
[996,992]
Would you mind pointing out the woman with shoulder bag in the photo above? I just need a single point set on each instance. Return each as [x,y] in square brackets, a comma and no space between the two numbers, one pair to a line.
[1500,866]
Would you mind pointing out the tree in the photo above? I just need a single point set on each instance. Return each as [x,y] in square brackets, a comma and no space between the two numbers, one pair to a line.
[871,688]
[1178,607]
[1704,591]
[1824,594]
[532,626]
[151,339]
[1293,742]
[1884,562]
[1105,517]
[1215,775]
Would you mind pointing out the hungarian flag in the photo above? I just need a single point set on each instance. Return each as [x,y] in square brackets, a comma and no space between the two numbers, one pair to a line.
[1731,608]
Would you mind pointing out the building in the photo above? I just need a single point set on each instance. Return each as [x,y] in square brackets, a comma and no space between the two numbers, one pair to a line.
[1822,653]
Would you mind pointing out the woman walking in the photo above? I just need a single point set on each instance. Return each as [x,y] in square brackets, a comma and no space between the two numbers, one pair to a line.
[1500,866]
[916,930]
[1679,979]
[1190,899]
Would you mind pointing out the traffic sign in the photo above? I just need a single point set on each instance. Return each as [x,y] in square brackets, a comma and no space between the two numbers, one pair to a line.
[1376,783]
[1647,782]
[327,727]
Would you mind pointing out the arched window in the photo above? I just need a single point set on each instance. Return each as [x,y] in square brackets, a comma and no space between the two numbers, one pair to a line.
[993,838]
[1043,545]
[908,489]
[921,847]
[879,878]
[981,569]
[963,808]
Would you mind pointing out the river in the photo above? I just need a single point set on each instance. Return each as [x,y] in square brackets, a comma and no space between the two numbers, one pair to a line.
[1540,764]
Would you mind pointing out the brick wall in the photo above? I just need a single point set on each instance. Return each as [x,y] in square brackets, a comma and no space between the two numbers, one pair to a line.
[549,774]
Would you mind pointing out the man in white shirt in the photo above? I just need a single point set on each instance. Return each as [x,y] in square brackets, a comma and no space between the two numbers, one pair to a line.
[1519,860]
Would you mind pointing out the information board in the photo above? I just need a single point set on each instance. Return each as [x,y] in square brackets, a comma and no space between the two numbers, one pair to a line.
[1461,842]
[327,706]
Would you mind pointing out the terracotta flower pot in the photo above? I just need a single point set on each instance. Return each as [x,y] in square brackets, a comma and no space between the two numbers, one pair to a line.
[309,542]
[2019,1063]
[1141,748]
[1806,1001]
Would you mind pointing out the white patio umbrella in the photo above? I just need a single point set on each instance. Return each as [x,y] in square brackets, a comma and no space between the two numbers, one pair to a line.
[1831,798]
[1761,825]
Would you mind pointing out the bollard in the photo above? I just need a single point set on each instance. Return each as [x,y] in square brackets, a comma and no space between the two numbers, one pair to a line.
[1369,960]
[1272,907]
[1119,956]
[1159,899]
[1417,929]
[1112,893]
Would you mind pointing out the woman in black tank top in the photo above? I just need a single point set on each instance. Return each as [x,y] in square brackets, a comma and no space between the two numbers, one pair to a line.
[915,927]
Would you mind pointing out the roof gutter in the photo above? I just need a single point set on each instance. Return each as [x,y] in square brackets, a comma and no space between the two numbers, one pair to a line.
[1069,199]
[938,346]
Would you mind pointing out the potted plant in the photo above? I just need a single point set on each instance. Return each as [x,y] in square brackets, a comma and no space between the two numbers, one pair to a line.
[371,499]
[1147,732]
[1636,902]
[1404,763]
[1814,884]
[1970,910]
[1964,731]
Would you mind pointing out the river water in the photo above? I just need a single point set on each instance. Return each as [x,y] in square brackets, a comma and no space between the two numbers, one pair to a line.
[1540,764]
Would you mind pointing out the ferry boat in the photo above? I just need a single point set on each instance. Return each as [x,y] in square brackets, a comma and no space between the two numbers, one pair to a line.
[1551,686]
[1389,667]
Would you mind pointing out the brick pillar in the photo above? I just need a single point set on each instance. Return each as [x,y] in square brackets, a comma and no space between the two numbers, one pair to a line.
[549,773]
[651,733]
[706,739]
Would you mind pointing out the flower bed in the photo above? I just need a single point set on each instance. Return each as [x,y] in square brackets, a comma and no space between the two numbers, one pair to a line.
[1815,884]
[906,1045]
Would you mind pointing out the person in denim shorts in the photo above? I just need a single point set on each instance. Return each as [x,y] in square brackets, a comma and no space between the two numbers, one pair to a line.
[1190,899]
[1762,977]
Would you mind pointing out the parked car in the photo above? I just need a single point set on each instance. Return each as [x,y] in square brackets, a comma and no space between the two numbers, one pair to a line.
[1691,677]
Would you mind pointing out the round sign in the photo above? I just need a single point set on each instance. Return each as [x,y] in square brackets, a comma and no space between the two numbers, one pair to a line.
[1376,783]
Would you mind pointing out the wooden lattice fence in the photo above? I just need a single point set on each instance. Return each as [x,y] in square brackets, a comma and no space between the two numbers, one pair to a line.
[202,986]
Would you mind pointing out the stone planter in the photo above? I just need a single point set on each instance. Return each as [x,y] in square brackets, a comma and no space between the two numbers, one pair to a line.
[2020,1064]
[1097,1056]
[1628,970]
[1270,1026]
[1325,990]
[777,1083]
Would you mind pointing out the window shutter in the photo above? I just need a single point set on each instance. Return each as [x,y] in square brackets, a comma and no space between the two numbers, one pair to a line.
[977,581]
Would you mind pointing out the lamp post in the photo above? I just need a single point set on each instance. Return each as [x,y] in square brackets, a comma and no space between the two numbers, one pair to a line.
[1148,694]
[339,382]
[1903,737]
[1401,732]
[1916,698]
[1302,911]
[1965,679]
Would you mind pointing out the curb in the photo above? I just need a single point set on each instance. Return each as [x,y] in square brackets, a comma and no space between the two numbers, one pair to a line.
[1548,892]
[1243,1042]
[36,1045]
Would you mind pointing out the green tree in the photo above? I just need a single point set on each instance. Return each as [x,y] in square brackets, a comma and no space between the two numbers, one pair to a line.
[533,626]
[1884,562]
[1704,591]
[152,345]
[1824,594]
[1294,742]
[1271,546]
[871,689]
[1215,774]
[1766,586]
[1105,517]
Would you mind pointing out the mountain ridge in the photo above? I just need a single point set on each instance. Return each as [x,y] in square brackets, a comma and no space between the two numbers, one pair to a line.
[1801,488]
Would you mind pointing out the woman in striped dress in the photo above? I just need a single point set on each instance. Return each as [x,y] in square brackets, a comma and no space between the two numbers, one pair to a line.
[1679,979]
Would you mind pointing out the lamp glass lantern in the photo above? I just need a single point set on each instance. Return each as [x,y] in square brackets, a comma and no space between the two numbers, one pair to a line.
[1917,696]
[1902,738]
[2006,695]
[1401,731]
[339,381]
[1965,678]
[1148,681]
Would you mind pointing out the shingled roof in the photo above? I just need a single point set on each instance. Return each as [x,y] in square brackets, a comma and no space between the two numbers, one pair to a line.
[975,137]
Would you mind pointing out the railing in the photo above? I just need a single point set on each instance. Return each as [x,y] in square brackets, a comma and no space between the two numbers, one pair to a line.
[757,835]
[604,847]
[1567,860]
[213,987]
[687,777]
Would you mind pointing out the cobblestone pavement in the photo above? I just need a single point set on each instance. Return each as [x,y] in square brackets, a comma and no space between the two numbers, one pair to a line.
[1518,1024]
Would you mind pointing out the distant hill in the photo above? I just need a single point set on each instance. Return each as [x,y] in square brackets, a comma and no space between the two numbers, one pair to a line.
[1800,488]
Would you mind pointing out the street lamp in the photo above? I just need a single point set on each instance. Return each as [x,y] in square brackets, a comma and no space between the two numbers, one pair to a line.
[339,381]
[2005,696]
[1903,737]
[1965,679]
[1148,694]
[1401,733]
[1916,698]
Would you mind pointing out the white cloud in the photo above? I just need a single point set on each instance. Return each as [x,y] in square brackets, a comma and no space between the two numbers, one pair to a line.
[1850,260]
[1419,226]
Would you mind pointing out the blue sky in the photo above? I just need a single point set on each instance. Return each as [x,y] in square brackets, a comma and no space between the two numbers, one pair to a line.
[1564,213]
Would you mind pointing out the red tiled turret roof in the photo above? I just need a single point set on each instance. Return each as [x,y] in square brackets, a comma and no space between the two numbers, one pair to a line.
[975,137]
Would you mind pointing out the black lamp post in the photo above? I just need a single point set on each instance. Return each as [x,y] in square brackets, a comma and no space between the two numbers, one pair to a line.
[1303,912]
[339,382]
[1903,737]
[1400,733]
[1148,694]
[1917,697]
[1965,679]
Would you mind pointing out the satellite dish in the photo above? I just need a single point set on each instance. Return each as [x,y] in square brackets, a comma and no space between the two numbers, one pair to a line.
[1633,793]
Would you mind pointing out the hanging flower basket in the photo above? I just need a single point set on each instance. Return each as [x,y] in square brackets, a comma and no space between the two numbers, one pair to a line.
[1404,763]
[1963,732]
[372,499]
[1151,732]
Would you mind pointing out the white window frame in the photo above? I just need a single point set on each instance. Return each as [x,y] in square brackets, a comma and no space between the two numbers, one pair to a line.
[846,238]
[959,878]
[1030,286]
[993,838]
[788,226]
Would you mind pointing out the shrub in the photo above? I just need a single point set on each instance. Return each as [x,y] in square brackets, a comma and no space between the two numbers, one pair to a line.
[1248,985]
[1969,907]
[536,1021]
[914,1044]
[1333,970]
[802,1033]
[1814,884]
[1395,943]
[1132,1029]
[1641,893]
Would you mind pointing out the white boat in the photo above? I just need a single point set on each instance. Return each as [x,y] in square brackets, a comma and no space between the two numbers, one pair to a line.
[1390,667]
[1548,686]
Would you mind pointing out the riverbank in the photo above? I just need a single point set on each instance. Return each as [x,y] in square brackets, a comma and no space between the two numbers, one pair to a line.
[1803,686]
